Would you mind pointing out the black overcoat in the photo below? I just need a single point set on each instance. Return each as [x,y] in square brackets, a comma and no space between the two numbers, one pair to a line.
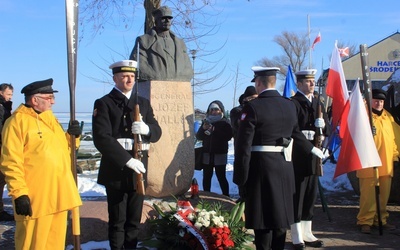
[306,165]
[112,119]
[267,178]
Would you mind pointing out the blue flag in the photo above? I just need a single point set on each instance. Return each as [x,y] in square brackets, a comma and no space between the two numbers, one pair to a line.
[290,85]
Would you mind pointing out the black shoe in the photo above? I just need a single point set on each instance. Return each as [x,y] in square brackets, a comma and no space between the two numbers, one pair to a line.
[4,216]
[299,246]
[316,243]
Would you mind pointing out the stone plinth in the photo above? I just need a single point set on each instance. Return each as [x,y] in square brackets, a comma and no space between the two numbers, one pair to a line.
[171,159]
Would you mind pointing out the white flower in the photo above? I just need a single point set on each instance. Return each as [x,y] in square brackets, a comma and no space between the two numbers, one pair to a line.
[216,220]
[191,216]
[198,225]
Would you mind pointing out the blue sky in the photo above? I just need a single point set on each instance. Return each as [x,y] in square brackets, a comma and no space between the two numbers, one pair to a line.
[33,42]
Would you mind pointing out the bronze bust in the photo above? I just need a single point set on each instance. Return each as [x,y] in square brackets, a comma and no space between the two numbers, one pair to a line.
[162,55]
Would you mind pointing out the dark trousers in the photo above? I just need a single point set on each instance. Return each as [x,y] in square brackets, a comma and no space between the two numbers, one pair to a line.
[2,184]
[124,214]
[267,239]
[305,197]
[220,171]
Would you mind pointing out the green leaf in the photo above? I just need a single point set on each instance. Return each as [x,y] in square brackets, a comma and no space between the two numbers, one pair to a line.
[239,213]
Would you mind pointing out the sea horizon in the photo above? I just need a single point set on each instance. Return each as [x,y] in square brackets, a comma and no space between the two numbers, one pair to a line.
[85,117]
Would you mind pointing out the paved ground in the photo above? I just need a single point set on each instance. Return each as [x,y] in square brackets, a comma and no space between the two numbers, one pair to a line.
[338,232]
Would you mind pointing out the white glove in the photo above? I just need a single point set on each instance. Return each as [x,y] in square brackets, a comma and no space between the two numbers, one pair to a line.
[326,152]
[136,166]
[318,153]
[319,123]
[140,128]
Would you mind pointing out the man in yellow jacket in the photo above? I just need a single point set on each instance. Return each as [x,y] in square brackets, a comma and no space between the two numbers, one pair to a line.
[37,164]
[384,137]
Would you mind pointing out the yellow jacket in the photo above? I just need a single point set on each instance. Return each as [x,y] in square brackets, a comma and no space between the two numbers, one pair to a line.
[36,161]
[385,144]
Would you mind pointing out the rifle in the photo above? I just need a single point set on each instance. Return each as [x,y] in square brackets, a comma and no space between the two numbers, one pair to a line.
[71,9]
[137,149]
[318,133]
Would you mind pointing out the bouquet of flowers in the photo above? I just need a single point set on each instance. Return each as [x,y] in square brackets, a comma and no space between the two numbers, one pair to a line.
[208,227]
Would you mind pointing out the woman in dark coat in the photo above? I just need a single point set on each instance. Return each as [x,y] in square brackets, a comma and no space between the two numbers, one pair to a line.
[215,132]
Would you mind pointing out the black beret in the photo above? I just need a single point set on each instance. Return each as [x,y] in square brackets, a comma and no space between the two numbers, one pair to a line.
[241,97]
[43,87]
[379,94]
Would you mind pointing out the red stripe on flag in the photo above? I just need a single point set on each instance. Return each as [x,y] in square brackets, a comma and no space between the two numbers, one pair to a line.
[316,40]
[336,87]
[358,148]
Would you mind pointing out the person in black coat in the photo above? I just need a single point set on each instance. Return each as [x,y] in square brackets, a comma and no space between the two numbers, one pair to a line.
[6,93]
[248,95]
[263,167]
[305,167]
[215,132]
[113,129]
[235,114]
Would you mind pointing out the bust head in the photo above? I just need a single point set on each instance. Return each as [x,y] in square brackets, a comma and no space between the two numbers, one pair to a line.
[162,19]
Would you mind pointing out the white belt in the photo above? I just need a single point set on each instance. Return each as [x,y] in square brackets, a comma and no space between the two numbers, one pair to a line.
[145,146]
[128,144]
[309,134]
[265,148]
[287,152]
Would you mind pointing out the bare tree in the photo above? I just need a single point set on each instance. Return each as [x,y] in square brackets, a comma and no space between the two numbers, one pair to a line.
[295,47]
[238,80]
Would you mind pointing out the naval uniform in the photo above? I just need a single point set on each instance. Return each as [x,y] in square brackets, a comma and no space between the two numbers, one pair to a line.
[260,167]
[305,166]
[112,136]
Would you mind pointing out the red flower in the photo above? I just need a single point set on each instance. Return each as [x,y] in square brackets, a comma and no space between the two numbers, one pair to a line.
[218,238]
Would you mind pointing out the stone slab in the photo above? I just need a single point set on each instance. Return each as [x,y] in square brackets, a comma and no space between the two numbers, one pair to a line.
[171,161]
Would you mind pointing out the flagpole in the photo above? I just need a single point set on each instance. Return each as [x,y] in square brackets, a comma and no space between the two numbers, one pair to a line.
[368,98]
[71,8]
[309,41]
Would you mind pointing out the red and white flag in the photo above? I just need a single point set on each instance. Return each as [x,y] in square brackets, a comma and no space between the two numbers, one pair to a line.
[316,40]
[344,52]
[358,148]
[336,87]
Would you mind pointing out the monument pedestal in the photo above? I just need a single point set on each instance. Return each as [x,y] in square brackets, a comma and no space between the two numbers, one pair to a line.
[171,159]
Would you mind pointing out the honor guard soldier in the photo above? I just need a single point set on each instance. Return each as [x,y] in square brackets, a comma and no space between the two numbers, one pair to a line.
[113,129]
[263,168]
[305,166]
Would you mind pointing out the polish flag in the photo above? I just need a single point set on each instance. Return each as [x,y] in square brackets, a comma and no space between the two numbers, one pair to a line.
[358,148]
[316,40]
[336,87]
[344,52]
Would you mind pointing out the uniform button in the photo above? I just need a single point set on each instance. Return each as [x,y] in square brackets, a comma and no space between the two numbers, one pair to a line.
[126,129]
[124,116]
